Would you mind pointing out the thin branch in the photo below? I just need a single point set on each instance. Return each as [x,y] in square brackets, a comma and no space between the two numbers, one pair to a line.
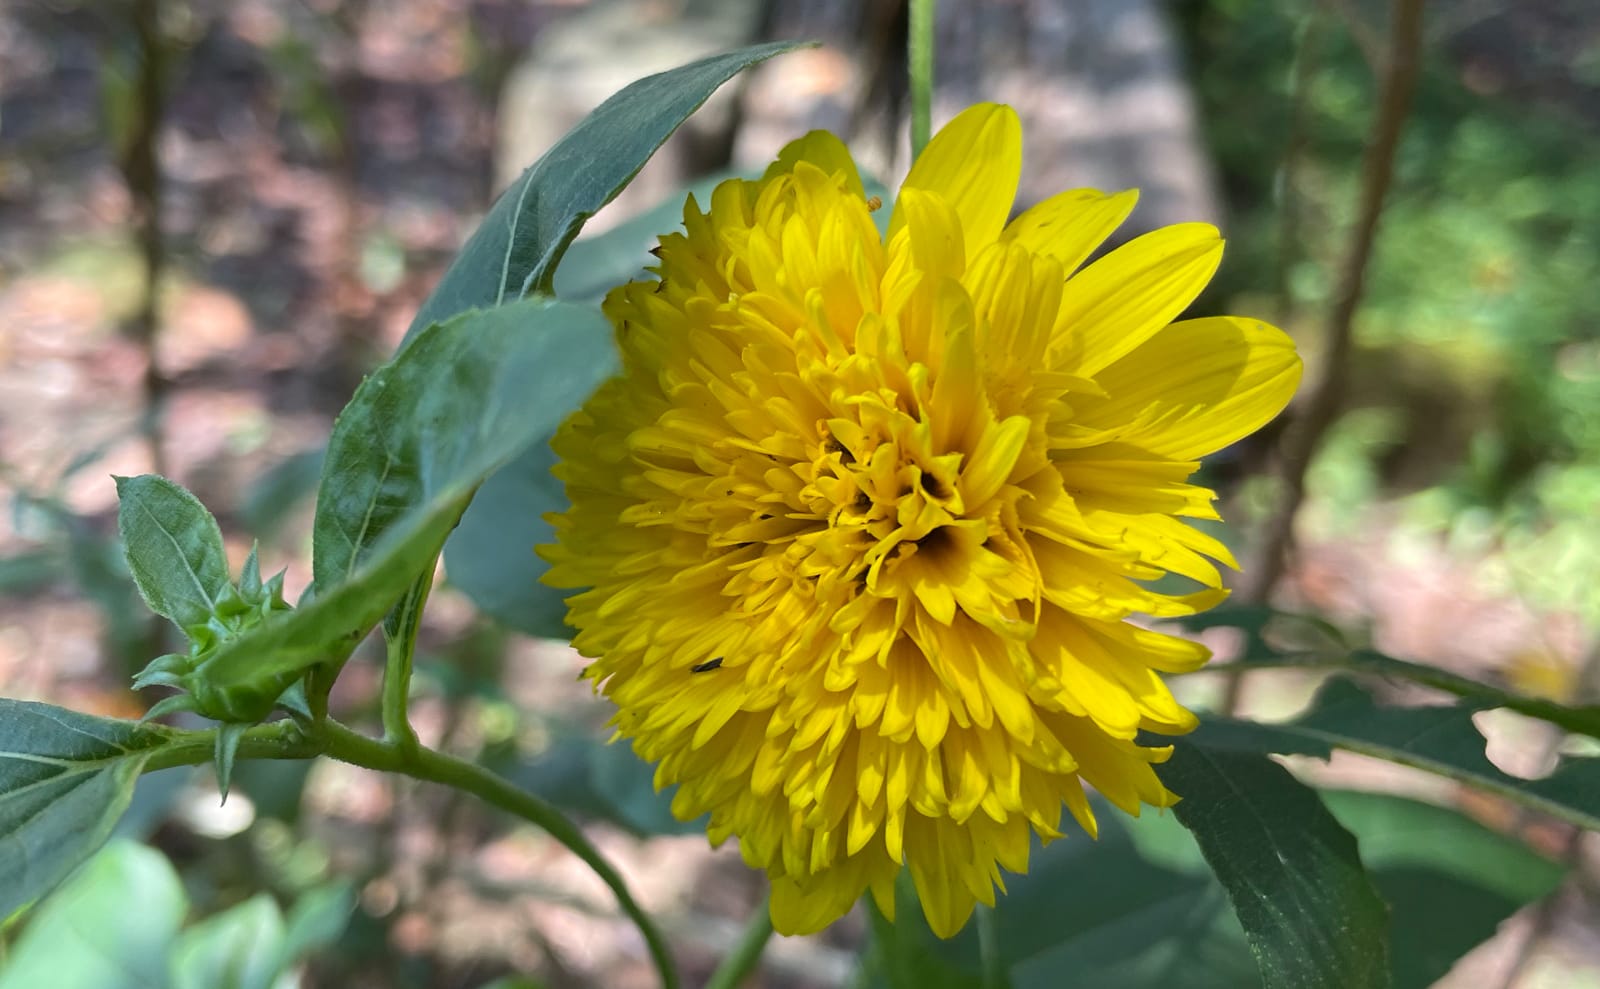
[1326,392]
[1366,36]
[141,169]
[400,637]
[1306,60]
[288,740]
[1464,15]
[274,740]
[436,767]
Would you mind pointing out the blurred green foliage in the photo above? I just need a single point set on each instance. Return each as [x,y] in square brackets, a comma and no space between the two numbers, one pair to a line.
[119,924]
[1147,911]
[1477,377]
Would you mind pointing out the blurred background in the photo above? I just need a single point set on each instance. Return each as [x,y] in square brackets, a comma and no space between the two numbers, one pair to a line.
[216,216]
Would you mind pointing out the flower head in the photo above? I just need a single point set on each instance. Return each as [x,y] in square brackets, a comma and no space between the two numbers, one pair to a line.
[862,520]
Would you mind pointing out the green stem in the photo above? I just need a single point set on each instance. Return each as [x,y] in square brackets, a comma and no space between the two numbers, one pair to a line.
[423,763]
[746,955]
[400,637]
[994,968]
[1577,720]
[288,740]
[275,740]
[921,60]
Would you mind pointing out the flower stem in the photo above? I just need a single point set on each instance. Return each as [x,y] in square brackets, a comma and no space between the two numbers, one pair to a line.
[273,740]
[746,955]
[920,52]
[994,968]
[424,763]
[400,637]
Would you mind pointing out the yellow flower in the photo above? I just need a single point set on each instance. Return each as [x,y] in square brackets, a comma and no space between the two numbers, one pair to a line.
[862,520]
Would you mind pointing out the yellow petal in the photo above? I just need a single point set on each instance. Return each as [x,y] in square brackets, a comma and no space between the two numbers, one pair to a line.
[934,233]
[1123,299]
[1070,225]
[1204,382]
[974,164]
[807,908]
[993,459]
[936,873]
[859,524]
[958,395]
[823,150]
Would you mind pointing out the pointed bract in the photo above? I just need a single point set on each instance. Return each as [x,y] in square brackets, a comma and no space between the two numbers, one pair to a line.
[228,738]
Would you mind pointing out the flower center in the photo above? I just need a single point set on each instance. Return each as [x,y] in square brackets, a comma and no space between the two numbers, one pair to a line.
[878,495]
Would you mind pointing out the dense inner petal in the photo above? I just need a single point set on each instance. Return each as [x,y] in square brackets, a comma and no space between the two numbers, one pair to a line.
[854,571]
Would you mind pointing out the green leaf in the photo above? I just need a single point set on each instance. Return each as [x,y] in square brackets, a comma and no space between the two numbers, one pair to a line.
[517,247]
[317,919]
[406,456]
[109,927]
[1141,908]
[173,547]
[1284,640]
[594,265]
[1449,881]
[65,778]
[1091,913]
[1293,874]
[1440,740]
[490,557]
[240,948]
[457,403]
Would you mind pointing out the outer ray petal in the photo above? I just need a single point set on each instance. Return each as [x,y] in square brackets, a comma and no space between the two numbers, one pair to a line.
[1197,386]
[1070,225]
[1121,300]
[974,163]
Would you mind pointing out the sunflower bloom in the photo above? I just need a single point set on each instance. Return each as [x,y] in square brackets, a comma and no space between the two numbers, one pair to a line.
[860,525]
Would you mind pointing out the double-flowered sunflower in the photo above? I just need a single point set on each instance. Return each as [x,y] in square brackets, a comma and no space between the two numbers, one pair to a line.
[861,523]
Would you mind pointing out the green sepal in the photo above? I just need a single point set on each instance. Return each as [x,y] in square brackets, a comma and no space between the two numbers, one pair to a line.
[230,603]
[158,679]
[169,705]
[237,610]
[250,576]
[294,701]
[239,704]
[163,671]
